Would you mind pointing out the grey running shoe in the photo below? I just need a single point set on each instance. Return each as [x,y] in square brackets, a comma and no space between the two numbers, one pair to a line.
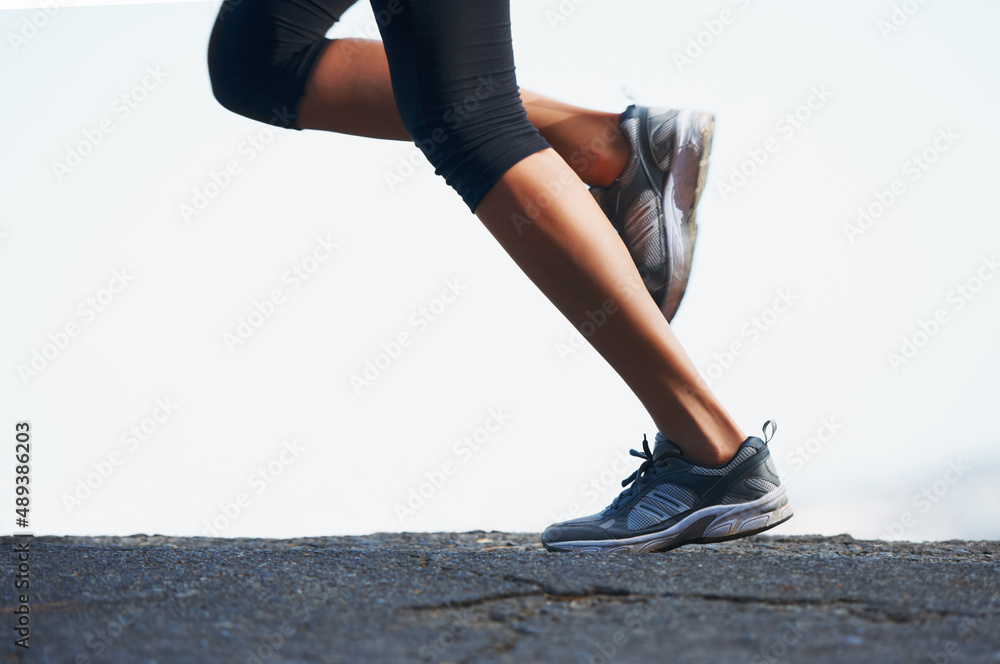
[672,502]
[652,203]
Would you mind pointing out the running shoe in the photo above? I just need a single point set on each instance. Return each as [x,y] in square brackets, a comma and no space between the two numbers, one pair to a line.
[671,502]
[652,203]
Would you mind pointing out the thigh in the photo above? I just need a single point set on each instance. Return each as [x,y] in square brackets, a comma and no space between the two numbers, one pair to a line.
[452,69]
[442,52]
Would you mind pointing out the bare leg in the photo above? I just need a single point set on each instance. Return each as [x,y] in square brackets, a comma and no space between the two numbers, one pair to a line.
[569,250]
[577,259]
[350,92]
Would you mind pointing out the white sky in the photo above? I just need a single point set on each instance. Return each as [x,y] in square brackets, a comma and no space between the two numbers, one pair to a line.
[495,345]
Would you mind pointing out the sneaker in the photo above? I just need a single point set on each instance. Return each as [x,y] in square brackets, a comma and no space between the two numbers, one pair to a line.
[652,203]
[672,502]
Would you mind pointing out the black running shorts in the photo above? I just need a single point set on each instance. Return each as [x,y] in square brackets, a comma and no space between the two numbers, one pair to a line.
[451,63]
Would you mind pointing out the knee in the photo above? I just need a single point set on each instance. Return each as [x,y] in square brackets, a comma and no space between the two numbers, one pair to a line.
[224,88]
[473,134]
[454,122]
[257,70]
[227,70]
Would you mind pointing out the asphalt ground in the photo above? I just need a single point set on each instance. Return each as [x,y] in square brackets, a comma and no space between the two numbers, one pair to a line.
[498,597]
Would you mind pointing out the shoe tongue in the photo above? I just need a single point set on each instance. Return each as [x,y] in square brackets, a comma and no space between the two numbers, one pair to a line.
[663,445]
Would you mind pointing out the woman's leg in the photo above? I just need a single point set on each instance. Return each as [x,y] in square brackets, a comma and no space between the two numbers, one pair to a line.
[538,208]
[271,61]
[577,259]
[261,57]
[350,92]
[438,52]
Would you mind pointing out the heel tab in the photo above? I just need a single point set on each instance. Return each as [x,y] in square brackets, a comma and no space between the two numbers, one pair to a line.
[631,96]
[774,430]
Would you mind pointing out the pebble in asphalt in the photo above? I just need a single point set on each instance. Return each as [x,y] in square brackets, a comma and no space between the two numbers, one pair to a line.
[500,597]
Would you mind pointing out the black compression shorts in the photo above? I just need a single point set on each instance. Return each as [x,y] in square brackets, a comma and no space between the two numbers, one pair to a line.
[451,63]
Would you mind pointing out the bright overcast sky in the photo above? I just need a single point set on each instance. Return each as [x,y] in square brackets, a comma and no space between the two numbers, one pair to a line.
[845,280]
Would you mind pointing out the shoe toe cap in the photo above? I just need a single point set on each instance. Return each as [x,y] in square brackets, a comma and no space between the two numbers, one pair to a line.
[571,531]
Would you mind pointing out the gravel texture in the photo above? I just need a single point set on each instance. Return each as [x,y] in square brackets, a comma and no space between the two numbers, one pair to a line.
[500,597]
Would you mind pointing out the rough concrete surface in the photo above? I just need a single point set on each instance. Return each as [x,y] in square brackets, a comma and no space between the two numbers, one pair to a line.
[500,597]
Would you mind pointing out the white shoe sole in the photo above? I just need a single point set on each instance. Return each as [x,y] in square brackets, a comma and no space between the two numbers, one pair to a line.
[690,162]
[717,523]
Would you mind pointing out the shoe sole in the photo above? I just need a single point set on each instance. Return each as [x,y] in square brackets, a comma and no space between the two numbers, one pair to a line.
[691,152]
[717,523]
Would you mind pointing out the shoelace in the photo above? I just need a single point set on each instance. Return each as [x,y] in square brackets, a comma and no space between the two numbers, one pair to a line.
[637,479]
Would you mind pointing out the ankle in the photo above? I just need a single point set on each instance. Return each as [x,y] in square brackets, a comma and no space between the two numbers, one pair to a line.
[712,445]
[712,454]
[600,162]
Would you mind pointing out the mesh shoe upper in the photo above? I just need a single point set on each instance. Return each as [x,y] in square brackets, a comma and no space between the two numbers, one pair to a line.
[653,207]
[667,487]
[632,202]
